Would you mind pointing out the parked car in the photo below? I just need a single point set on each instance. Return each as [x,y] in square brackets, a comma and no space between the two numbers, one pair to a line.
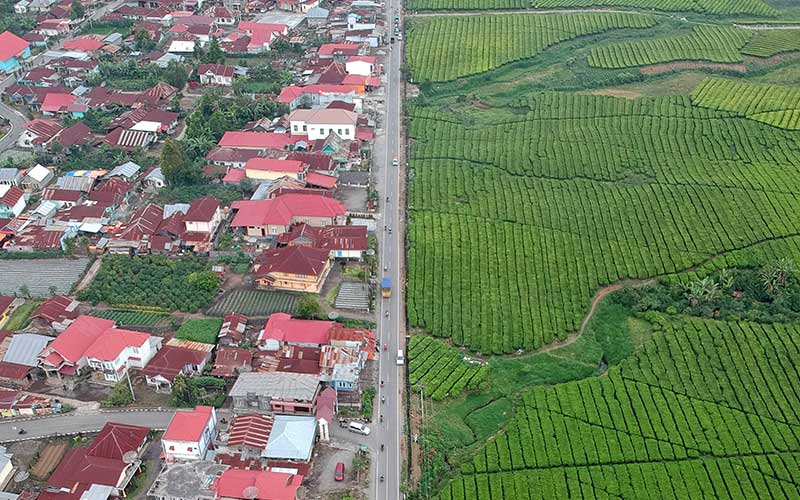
[358,428]
[339,475]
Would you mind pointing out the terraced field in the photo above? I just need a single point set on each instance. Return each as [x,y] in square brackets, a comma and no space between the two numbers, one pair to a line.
[716,7]
[775,105]
[766,43]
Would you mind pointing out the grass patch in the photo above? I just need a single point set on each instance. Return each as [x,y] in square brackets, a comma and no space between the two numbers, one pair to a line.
[200,330]
[20,318]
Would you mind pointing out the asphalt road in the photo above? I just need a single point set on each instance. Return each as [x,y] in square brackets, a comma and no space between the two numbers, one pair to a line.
[76,423]
[387,463]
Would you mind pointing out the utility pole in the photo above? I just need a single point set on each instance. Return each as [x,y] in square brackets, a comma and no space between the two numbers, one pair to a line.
[130,385]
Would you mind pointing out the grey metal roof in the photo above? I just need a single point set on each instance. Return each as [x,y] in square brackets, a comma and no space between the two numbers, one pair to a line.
[292,437]
[281,385]
[176,207]
[262,191]
[98,492]
[127,169]
[156,174]
[8,174]
[25,347]
[318,13]
[73,183]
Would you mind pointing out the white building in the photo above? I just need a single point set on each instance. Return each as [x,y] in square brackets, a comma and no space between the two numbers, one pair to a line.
[360,65]
[204,215]
[117,350]
[12,200]
[190,433]
[319,123]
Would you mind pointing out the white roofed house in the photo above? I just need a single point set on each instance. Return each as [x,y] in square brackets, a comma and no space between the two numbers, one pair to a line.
[291,438]
[37,178]
[319,123]
[360,65]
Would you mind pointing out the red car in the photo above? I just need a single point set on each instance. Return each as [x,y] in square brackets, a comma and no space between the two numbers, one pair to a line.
[339,476]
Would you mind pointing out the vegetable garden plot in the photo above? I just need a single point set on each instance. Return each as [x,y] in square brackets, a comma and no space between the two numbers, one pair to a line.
[446,48]
[254,303]
[767,43]
[720,44]
[515,226]
[659,426]
[773,104]
[136,318]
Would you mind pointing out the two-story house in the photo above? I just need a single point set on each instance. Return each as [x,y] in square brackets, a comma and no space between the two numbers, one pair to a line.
[190,433]
[201,223]
[117,350]
[319,123]
[275,392]
[293,268]
[260,218]
[12,201]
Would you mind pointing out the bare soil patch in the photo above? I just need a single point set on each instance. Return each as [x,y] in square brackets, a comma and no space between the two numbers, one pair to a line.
[657,69]
[49,458]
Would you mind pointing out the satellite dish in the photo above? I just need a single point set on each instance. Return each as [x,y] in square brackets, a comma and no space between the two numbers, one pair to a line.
[130,456]
[250,493]
[333,315]
[21,476]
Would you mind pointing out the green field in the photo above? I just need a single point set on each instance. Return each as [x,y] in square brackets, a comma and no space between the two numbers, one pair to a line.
[719,44]
[772,104]
[767,43]
[132,318]
[446,48]
[254,303]
[200,330]
[570,197]
[679,419]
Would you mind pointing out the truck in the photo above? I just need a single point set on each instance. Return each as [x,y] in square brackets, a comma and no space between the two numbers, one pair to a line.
[386,287]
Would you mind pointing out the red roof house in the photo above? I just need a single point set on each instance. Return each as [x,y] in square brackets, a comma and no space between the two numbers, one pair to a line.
[12,49]
[272,217]
[231,361]
[281,329]
[256,140]
[272,168]
[292,268]
[58,311]
[232,330]
[172,361]
[251,431]
[258,485]
[190,433]
[340,241]
[55,103]
[329,50]
[216,74]
[84,44]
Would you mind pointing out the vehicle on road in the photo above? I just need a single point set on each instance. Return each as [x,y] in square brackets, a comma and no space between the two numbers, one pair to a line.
[386,287]
[339,474]
[400,358]
[395,162]
[385,347]
[358,428]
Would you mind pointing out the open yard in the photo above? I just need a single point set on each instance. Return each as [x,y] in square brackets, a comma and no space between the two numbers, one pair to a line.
[49,458]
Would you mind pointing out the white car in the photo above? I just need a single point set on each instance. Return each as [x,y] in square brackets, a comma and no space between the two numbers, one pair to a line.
[395,162]
[358,428]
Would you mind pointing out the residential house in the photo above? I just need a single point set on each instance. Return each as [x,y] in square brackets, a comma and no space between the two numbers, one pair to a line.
[21,7]
[338,50]
[38,133]
[231,333]
[272,217]
[12,201]
[300,6]
[261,34]
[249,434]
[233,158]
[201,222]
[343,242]
[319,123]
[104,469]
[57,312]
[129,140]
[320,96]
[186,481]
[128,171]
[86,43]
[222,16]
[6,467]
[173,360]
[293,268]
[74,136]
[190,433]
[40,77]
[317,17]
[61,103]
[275,392]
[154,178]
[291,439]
[271,169]
[316,162]
[91,343]
[13,51]
[361,65]
[237,484]
[10,176]
[326,409]
[282,330]
[63,197]
[37,178]
[21,359]
[216,74]
[230,361]
[53,27]
[260,141]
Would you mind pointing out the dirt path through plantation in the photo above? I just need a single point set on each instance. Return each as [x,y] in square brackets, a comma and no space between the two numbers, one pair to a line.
[600,295]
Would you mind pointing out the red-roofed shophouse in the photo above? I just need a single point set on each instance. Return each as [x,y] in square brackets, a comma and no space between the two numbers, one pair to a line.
[95,344]
[343,242]
[271,169]
[190,434]
[256,140]
[281,329]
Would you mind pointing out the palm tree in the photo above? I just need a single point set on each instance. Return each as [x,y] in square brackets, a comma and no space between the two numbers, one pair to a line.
[703,290]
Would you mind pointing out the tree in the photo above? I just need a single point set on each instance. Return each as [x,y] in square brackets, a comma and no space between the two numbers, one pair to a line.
[121,396]
[24,291]
[174,164]
[205,280]
[176,75]
[144,42]
[309,307]
[701,291]
[184,393]
[77,10]
[213,54]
